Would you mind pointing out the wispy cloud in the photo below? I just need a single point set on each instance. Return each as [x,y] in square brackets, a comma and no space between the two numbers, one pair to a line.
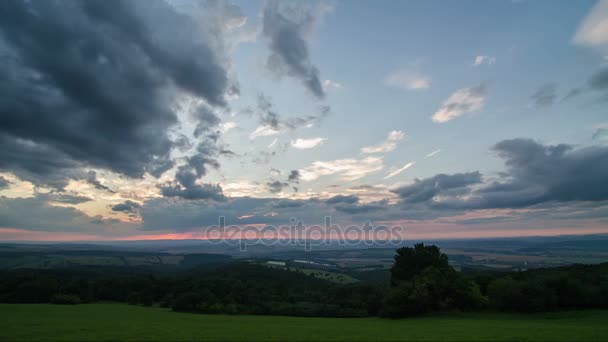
[274,142]
[593,31]
[481,60]
[304,144]
[263,131]
[399,170]
[226,126]
[346,169]
[545,95]
[407,80]
[432,154]
[388,145]
[329,84]
[463,101]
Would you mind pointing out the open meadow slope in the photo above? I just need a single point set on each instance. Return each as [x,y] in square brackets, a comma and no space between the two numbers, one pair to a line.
[102,322]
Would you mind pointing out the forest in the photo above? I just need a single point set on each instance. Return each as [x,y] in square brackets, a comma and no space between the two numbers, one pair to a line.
[421,282]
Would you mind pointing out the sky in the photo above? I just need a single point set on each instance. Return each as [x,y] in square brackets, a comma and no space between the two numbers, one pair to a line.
[128,120]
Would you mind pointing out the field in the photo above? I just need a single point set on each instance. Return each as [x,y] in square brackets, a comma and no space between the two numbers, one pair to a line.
[96,322]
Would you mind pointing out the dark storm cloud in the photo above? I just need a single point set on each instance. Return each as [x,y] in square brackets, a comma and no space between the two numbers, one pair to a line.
[557,172]
[536,175]
[286,30]
[545,95]
[90,84]
[4,183]
[186,186]
[127,207]
[423,190]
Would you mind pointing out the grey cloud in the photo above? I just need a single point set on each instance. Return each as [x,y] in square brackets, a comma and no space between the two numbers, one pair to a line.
[186,186]
[599,80]
[360,208]
[286,30]
[65,198]
[270,118]
[600,134]
[536,175]
[4,183]
[127,207]
[276,186]
[109,68]
[294,176]
[350,199]
[545,95]
[423,190]
[36,213]
[91,178]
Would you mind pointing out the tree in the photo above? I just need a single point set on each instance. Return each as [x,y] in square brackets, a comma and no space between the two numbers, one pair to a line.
[423,281]
[410,262]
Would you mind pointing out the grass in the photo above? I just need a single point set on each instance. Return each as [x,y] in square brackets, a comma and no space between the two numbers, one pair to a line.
[103,322]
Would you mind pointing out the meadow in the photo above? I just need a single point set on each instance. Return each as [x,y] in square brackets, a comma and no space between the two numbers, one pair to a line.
[102,322]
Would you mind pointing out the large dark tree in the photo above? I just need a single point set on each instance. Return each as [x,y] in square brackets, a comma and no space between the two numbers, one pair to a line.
[423,281]
[410,262]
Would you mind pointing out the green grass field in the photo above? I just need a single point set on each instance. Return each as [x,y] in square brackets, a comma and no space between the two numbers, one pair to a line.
[102,322]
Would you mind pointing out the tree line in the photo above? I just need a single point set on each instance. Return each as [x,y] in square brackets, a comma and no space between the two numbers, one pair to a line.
[421,281]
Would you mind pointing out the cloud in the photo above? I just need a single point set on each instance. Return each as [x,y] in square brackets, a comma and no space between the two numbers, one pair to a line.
[194,191]
[360,208]
[593,31]
[423,190]
[329,84]
[286,29]
[274,142]
[545,95]
[349,199]
[226,126]
[388,145]
[407,80]
[346,169]
[112,73]
[36,213]
[276,186]
[271,123]
[536,175]
[4,183]
[263,131]
[432,154]
[91,178]
[599,80]
[481,60]
[465,100]
[304,144]
[64,198]
[294,176]
[127,207]
[600,133]
[399,170]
